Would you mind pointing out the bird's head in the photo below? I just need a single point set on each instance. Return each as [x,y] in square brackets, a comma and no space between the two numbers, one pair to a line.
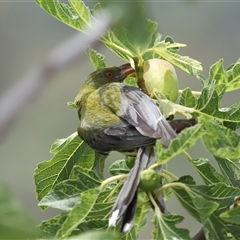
[109,74]
[103,76]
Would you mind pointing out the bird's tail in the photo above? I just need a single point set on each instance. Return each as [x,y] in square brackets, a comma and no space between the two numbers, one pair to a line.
[126,203]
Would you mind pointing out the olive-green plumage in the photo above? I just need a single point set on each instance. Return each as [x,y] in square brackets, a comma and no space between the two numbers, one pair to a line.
[94,103]
[117,116]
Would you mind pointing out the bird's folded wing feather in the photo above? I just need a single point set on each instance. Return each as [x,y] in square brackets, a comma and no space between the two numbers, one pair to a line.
[140,111]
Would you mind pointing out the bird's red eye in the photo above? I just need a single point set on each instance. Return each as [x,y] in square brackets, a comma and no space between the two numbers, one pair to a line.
[108,74]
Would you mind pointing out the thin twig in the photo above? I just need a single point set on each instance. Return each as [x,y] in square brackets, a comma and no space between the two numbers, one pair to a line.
[30,85]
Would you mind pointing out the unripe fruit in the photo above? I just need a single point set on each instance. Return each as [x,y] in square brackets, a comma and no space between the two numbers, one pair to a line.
[149,180]
[130,161]
[161,75]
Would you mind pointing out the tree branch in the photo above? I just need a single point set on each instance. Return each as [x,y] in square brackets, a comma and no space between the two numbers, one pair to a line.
[30,85]
[200,235]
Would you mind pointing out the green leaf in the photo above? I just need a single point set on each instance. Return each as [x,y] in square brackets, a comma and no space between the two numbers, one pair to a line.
[234,77]
[113,41]
[130,235]
[187,99]
[100,211]
[209,101]
[15,222]
[187,179]
[131,81]
[118,167]
[232,125]
[99,163]
[79,212]
[108,193]
[230,169]
[221,141]
[66,193]
[202,79]
[229,77]
[96,235]
[186,139]
[135,30]
[205,207]
[72,104]
[69,153]
[170,108]
[48,228]
[185,198]
[212,227]
[59,144]
[220,193]
[88,178]
[187,64]
[138,38]
[68,14]
[158,149]
[97,59]
[167,192]
[82,11]
[231,216]
[169,39]
[165,228]
[59,199]
[90,225]
[205,203]
[217,72]
[119,39]
[207,172]
[140,219]
[209,104]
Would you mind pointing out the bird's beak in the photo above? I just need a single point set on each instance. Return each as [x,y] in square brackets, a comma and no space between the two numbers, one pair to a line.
[126,70]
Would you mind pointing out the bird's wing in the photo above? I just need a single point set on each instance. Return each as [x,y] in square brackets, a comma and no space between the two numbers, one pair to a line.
[123,137]
[140,111]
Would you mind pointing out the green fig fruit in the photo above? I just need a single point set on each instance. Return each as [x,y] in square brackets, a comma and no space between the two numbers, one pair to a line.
[130,161]
[161,75]
[149,180]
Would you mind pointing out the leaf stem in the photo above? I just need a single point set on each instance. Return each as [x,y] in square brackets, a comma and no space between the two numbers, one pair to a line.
[172,184]
[113,191]
[214,117]
[117,47]
[187,155]
[195,93]
[171,175]
[166,177]
[156,208]
[111,179]
[157,164]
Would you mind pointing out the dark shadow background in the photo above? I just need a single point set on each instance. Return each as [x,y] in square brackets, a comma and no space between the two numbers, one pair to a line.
[210,29]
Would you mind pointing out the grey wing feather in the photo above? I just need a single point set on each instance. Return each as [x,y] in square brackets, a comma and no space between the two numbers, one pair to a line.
[140,111]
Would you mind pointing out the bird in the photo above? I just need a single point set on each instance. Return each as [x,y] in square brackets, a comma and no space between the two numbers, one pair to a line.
[115,116]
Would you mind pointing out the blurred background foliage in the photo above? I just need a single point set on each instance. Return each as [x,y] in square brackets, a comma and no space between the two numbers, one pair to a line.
[210,30]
